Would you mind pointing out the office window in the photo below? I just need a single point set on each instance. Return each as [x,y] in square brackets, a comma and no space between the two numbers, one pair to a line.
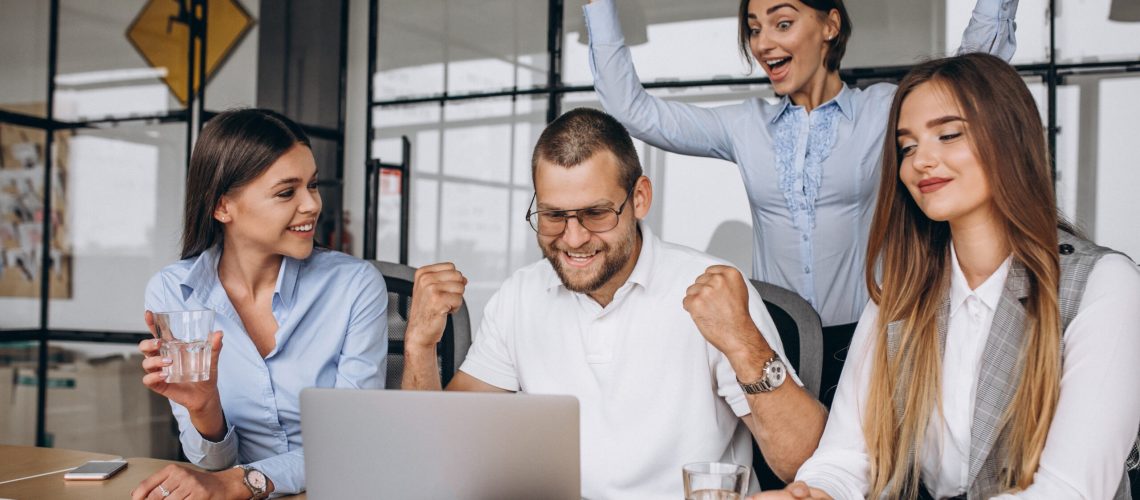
[96,402]
[1032,28]
[99,73]
[1097,31]
[669,41]
[470,186]
[1098,181]
[427,47]
[18,362]
[124,207]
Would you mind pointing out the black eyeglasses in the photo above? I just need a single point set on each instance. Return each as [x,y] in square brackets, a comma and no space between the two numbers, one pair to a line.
[594,219]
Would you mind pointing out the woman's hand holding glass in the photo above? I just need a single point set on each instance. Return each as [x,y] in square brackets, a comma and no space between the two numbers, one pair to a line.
[200,399]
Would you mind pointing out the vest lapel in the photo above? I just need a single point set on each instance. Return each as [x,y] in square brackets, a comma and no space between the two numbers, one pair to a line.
[894,344]
[1000,368]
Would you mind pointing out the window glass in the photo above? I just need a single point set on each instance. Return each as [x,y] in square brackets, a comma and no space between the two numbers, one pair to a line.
[124,204]
[427,47]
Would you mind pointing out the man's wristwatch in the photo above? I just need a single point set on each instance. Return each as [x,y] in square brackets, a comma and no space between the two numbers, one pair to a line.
[774,375]
[254,480]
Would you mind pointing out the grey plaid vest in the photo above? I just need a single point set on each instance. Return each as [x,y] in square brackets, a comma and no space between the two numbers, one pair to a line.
[998,378]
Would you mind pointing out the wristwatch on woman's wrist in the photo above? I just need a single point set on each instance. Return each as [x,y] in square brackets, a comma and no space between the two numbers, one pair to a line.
[254,480]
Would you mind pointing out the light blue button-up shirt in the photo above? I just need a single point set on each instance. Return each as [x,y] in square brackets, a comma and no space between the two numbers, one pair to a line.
[332,332]
[810,177]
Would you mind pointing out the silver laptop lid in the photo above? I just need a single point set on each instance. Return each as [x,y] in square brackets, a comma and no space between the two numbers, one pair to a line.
[426,444]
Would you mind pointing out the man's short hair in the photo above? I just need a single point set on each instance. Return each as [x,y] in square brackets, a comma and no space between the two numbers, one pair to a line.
[581,133]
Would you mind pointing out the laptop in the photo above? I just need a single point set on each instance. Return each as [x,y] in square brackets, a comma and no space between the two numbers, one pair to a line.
[431,445]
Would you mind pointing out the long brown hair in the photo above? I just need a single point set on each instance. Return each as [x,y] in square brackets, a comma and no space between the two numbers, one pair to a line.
[912,253]
[234,148]
[836,46]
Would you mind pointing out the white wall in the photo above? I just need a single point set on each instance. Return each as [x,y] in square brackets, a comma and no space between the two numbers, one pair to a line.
[1117,178]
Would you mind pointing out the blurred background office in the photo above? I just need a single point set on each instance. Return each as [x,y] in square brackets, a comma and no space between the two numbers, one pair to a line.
[423,114]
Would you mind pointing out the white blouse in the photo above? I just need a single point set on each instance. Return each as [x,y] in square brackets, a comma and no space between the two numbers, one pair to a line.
[1097,416]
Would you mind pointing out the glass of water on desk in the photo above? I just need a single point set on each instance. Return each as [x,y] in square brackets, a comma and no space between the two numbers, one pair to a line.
[184,338]
[715,481]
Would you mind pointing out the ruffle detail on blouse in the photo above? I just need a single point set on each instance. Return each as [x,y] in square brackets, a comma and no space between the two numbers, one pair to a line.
[801,188]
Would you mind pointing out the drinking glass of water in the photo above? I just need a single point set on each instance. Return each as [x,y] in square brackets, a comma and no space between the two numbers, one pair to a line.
[184,338]
[715,481]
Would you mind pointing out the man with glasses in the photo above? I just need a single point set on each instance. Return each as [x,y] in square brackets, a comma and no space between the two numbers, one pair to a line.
[668,350]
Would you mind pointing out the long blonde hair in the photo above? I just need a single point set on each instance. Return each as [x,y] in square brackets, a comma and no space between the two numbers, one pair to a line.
[912,252]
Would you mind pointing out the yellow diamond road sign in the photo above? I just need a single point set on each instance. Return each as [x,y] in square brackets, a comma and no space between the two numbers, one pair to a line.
[161,34]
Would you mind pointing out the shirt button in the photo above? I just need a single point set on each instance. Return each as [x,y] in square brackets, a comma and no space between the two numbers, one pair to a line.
[807,270]
[804,237]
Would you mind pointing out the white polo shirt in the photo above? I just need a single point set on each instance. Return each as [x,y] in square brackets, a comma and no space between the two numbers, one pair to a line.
[654,395]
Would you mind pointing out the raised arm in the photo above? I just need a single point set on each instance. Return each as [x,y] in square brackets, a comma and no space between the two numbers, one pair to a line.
[786,422]
[437,292]
[992,29]
[672,126]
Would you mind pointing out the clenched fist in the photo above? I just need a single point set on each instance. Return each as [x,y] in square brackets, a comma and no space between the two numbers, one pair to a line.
[436,292]
[718,303]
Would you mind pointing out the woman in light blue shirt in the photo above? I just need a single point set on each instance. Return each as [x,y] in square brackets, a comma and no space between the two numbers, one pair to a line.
[293,316]
[809,161]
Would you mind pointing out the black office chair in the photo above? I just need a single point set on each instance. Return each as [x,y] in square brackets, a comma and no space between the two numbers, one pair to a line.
[800,329]
[801,333]
[456,340]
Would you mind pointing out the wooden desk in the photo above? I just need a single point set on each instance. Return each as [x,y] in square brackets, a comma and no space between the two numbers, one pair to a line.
[52,486]
[22,461]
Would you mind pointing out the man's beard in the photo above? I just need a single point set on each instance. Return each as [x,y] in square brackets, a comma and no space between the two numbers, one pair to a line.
[615,259]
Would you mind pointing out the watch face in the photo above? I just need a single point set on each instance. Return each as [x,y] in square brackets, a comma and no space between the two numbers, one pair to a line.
[256,479]
[775,373]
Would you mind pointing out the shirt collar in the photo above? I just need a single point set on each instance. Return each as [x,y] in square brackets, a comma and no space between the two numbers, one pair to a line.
[203,276]
[642,272]
[287,280]
[843,100]
[989,292]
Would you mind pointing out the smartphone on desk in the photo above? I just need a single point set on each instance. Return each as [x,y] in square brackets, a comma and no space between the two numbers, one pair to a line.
[96,470]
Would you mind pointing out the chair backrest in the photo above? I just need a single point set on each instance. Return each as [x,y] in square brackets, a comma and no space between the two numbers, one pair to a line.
[451,350]
[800,329]
[801,332]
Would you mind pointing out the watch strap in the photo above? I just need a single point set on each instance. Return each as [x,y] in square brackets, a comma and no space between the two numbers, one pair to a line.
[255,492]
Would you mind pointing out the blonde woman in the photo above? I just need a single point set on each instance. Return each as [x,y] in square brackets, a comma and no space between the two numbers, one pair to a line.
[997,357]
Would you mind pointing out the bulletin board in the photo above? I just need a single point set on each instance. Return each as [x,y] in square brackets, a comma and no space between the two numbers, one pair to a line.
[22,210]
